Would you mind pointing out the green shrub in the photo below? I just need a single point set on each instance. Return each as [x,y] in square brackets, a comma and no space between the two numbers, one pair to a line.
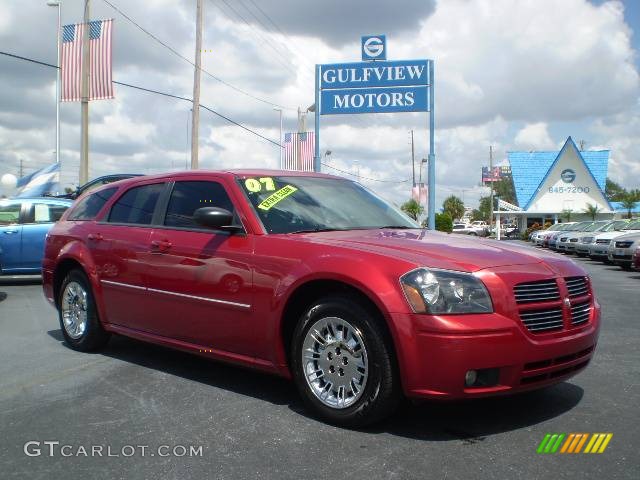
[444,222]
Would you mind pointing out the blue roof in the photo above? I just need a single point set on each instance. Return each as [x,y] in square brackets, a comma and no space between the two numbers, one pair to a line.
[530,169]
[617,206]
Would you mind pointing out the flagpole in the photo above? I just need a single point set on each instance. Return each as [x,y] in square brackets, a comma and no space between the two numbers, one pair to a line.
[195,116]
[57,4]
[84,110]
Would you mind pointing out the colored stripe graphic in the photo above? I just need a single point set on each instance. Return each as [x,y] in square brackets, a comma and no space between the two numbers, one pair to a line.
[573,443]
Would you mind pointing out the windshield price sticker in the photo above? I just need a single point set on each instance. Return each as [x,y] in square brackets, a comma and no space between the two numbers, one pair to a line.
[256,185]
[276,197]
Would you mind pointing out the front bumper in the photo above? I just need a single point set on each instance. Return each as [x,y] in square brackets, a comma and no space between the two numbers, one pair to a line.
[445,348]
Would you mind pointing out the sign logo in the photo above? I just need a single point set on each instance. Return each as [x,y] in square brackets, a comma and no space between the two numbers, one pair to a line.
[573,443]
[567,302]
[374,47]
[568,175]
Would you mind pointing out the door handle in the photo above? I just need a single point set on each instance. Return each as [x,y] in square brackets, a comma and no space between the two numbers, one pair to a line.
[10,232]
[96,237]
[160,245]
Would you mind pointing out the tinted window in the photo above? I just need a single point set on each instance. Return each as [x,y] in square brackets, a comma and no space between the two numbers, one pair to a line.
[136,205]
[9,213]
[187,197]
[89,206]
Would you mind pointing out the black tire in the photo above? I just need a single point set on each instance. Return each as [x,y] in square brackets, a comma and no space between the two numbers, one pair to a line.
[381,392]
[581,255]
[94,337]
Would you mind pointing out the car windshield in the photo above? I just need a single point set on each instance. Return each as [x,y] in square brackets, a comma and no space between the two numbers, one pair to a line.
[616,225]
[632,226]
[296,204]
[578,226]
[595,226]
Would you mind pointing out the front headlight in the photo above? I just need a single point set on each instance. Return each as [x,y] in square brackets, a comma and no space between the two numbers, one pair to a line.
[445,292]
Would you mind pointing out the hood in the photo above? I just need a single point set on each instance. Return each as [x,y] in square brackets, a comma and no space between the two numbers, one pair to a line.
[436,249]
[615,234]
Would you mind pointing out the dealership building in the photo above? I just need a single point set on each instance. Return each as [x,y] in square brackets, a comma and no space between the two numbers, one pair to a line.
[550,184]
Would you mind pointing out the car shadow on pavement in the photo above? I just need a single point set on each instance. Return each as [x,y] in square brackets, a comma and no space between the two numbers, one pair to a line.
[469,421]
[3,296]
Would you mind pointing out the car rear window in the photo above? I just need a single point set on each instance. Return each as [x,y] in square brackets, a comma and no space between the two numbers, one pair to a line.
[136,205]
[90,206]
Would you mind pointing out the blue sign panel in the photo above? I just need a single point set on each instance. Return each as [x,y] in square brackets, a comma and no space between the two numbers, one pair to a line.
[375,100]
[374,47]
[367,74]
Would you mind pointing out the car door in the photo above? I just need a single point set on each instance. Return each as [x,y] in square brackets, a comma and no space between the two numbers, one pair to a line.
[10,236]
[119,245]
[199,280]
[39,218]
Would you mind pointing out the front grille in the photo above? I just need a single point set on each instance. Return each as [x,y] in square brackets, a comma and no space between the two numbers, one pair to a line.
[563,239]
[573,240]
[577,286]
[603,241]
[580,313]
[541,291]
[542,320]
[587,239]
[624,244]
[555,367]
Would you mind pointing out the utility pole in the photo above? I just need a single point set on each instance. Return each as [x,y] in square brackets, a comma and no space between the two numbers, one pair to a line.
[278,109]
[56,3]
[413,161]
[582,144]
[21,174]
[491,183]
[84,108]
[301,128]
[195,117]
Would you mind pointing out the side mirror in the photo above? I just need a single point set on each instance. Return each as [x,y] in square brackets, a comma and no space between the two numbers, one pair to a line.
[214,217]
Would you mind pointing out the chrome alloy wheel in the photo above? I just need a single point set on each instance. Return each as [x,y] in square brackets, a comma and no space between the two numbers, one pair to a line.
[74,309]
[334,359]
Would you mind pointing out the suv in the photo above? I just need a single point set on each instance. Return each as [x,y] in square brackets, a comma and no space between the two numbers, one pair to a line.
[315,278]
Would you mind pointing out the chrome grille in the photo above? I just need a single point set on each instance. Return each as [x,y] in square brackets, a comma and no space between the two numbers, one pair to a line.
[541,291]
[542,320]
[603,241]
[563,239]
[577,286]
[580,313]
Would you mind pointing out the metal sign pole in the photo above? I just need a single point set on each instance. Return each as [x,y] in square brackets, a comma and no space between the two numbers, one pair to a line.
[432,154]
[316,157]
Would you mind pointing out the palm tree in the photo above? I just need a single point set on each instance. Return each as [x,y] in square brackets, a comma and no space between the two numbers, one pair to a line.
[592,210]
[412,208]
[629,200]
[567,214]
[453,206]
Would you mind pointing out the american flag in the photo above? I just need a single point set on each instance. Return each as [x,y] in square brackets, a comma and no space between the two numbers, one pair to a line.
[100,81]
[299,149]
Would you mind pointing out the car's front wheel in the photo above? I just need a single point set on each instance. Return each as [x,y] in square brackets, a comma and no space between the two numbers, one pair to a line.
[343,363]
[78,316]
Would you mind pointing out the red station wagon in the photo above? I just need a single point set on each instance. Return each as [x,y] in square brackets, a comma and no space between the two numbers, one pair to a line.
[315,278]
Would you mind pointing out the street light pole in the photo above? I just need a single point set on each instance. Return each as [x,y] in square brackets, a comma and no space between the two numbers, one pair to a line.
[56,3]
[278,109]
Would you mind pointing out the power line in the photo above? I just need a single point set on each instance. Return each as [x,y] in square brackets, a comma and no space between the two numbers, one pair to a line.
[175,52]
[365,178]
[157,92]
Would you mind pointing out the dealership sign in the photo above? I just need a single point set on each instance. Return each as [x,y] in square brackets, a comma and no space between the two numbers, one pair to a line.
[377,85]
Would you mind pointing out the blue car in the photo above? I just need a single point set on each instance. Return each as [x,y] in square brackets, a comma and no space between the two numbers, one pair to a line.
[24,223]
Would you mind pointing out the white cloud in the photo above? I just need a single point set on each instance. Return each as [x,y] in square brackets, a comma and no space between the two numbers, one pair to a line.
[534,136]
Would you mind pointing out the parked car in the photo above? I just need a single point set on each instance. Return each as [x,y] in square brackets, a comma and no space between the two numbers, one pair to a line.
[551,240]
[98,182]
[563,244]
[635,261]
[538,237]
[473,229]
[621,249]
[315,278]
[576,237]
[583,247]
[24,223]
[599,249]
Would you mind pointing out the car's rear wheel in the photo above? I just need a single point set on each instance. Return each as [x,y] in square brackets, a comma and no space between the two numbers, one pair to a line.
[78,316]
[343,363]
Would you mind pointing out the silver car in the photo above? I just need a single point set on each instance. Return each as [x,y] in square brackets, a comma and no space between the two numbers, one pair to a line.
[564,244]
[551,240]
[621,249]
[599,249]
[585,238]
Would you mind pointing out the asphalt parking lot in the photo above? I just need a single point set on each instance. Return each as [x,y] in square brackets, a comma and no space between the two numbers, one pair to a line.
[252,425]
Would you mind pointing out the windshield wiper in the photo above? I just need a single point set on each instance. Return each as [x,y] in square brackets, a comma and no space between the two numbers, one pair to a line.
[401,227]
[317,229]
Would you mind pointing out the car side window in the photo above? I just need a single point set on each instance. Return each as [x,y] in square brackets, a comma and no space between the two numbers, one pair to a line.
[90,206]
[188,196]
[136,205]
[10,214]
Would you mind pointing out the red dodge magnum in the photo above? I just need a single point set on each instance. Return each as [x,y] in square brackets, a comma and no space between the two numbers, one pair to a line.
[315,278]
